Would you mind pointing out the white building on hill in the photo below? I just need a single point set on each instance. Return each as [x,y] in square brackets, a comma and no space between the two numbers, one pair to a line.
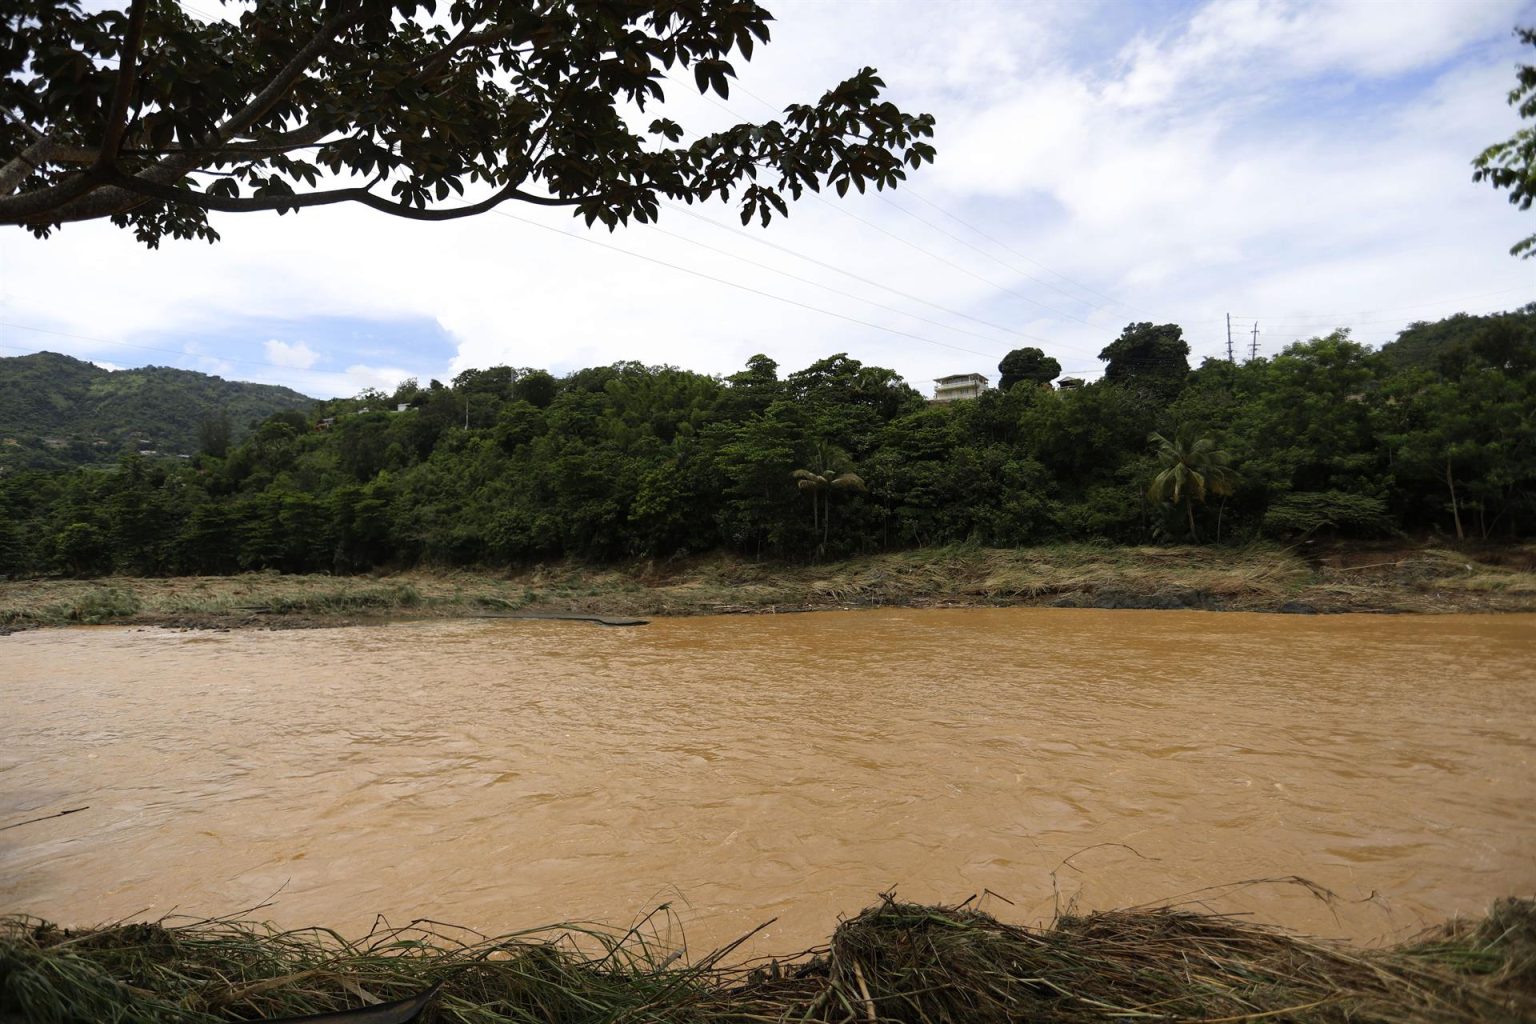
[959,387]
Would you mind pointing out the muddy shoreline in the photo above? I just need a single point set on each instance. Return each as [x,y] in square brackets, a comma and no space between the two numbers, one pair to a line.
[1379,579]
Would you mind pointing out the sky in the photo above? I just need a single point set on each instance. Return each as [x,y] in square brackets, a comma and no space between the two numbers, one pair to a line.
[1301,166]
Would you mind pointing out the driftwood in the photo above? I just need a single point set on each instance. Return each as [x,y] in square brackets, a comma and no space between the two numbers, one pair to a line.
[601,620]
[46,817]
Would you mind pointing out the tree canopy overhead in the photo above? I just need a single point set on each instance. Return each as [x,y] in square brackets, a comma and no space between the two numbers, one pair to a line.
[1511,164]
[152,117]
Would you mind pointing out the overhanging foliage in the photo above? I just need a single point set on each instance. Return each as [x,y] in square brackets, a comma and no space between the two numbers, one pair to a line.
[154,117]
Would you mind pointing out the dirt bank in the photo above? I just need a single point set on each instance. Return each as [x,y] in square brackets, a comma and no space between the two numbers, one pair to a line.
[1319,578]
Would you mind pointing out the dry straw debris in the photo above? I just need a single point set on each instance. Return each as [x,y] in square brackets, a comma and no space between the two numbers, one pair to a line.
[895,962]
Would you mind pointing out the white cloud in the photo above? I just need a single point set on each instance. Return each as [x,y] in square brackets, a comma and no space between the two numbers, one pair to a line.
[1256,44]
[1270,158]
[299,355]
[382,378]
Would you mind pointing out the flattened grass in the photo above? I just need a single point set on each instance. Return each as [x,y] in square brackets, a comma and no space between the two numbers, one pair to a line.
[88,606]
[895,962]
[1254,578]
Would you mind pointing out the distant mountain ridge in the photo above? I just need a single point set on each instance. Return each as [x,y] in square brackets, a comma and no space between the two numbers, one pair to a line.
[58,411]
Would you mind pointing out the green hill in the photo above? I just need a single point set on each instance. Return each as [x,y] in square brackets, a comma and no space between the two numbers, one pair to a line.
[57,411]
[1496,338]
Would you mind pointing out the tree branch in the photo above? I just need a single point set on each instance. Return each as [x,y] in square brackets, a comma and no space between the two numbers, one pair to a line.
[37,207]
[122,94]
[67,201]
[140,190]
[466,36]
[308,136]
[279,86]
[18,167]
[30,159]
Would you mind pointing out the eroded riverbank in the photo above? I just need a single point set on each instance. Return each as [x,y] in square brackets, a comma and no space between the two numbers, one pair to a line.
[1353,578]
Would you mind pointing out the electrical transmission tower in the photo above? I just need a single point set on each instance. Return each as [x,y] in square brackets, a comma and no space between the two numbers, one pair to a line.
[1253,347]
[1230,357]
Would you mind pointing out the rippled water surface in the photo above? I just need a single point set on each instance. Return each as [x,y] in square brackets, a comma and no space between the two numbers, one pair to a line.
[503,774]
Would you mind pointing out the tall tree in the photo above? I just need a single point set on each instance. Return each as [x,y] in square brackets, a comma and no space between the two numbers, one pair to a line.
[213,434]
[1191,468]
[152,117]
[1151,358]
[833,472]
[1029,364]
[1511,164]
[752,390]
[1306,422]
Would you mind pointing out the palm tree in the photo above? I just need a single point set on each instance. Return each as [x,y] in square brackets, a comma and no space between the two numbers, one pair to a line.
[832,473]
[1191,468]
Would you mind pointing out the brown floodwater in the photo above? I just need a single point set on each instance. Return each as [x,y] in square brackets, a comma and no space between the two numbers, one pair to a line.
[503,774]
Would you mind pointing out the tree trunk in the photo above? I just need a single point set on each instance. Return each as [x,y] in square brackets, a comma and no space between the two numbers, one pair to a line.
[1219,513]
[1455,509]
[1189,508]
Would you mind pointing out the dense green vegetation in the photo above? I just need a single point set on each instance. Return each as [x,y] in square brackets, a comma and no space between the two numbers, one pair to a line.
[1435,433]
[57,412]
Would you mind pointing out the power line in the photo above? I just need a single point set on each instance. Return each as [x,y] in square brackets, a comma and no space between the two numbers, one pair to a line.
[913,245]
[948,262]
[1326,323]
[1387,309]
[1294,321]
[815,283]
[627,252]
[954,237]
[908,190]
[758,239]
[743,287]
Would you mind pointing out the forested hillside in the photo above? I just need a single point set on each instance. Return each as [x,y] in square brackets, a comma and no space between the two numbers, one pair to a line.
[1436,432]
[57,411]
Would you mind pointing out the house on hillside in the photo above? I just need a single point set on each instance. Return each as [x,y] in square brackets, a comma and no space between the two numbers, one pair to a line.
[959,387]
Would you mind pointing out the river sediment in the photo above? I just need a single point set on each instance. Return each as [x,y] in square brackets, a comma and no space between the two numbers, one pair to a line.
[505,773]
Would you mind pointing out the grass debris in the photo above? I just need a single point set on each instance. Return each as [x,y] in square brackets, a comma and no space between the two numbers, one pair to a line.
[1379,577]
[895,962]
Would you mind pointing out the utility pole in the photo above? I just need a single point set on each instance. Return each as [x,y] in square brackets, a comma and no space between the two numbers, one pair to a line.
[466,410]
[1253,349]
[1230,359]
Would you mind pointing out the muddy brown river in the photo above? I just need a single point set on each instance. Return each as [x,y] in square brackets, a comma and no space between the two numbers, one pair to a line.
[503,774]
